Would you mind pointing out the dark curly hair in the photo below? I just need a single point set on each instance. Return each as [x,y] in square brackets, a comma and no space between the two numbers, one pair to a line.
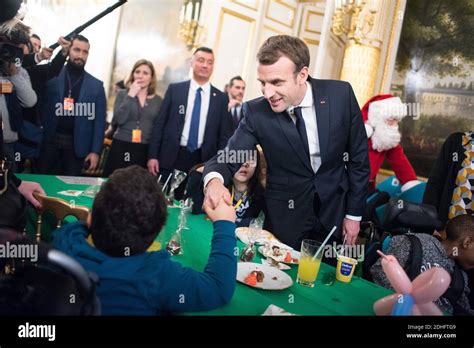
[128,212]
[459,227]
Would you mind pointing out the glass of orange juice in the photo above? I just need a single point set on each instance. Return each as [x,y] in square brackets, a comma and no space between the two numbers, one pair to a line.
[308,267]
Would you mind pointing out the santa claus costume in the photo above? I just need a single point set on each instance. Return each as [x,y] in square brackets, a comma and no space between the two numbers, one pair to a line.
[384,139]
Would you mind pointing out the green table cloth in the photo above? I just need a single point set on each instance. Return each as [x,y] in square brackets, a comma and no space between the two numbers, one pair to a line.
[354,298]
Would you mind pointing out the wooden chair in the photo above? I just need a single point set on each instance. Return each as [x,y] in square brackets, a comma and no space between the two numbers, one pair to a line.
[99,171]
[60,209]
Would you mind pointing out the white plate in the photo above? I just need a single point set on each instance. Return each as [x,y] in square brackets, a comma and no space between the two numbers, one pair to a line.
[263,237]
[274,279]
[281,265]
[267,251]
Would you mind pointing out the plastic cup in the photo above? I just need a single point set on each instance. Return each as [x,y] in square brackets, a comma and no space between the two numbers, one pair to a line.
[308,267]
[345,268]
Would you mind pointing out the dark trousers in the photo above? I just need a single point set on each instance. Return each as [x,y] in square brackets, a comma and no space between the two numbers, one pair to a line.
[319,233]
[58,157]
[9,151]
[184,162]
[136,155]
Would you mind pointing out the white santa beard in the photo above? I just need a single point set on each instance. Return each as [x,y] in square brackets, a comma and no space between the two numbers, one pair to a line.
[385,137]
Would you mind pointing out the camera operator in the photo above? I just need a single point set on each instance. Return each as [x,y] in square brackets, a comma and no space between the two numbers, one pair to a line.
[12,190]
[34,55]
[30,134]
[35,43]
[17,92]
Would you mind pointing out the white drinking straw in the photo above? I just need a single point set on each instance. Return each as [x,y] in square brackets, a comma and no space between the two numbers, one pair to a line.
[166,183]
[343,247]
[324,243]
[159,178]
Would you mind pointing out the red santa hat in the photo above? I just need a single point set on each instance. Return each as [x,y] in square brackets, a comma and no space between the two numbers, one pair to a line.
[381,108]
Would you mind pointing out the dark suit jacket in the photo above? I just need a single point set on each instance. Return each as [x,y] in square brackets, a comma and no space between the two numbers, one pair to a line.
[166,135]
[341,181]
[88,131]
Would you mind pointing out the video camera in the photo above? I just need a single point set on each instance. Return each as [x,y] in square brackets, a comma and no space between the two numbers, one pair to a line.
[10,51]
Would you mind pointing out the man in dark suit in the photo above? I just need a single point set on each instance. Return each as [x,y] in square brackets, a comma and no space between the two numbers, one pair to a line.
[194,122]
[236,91]
[73,116]
[315,146]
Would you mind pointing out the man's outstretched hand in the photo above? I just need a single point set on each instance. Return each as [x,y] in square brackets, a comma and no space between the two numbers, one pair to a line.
[223,211]
[215,191]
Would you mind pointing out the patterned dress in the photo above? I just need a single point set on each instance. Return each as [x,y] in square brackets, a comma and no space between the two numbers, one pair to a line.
[461,202]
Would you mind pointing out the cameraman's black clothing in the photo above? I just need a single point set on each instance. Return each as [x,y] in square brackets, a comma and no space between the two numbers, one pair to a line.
[28,61]
[39,75]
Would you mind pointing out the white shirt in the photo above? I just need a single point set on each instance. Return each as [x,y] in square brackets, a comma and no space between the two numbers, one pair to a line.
[308,111]
[205,99]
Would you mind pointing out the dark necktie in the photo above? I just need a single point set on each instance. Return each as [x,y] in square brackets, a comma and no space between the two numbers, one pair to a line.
[194,127]
[235,116]
[300,126]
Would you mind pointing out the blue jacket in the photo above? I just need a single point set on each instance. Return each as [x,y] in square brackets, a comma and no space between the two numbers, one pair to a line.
[168,127]
[88,131]
[151,283]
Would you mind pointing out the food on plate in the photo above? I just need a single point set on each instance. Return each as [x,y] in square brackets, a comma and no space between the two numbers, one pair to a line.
[276,250]
[259,275]
[251,279]
[261,237]
[254,277]
[279,252]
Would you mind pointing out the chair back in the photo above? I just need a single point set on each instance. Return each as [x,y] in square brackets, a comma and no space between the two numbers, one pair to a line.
[60,209]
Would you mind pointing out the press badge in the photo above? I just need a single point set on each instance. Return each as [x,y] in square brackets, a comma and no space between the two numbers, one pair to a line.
[68,104]
[136,136]
[6,87]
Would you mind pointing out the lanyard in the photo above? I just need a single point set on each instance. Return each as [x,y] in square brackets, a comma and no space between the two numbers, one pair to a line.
[140,109]
[75,83]
[239,202]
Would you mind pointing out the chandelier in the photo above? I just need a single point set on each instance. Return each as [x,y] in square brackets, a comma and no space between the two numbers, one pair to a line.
[359,14]
[189,29]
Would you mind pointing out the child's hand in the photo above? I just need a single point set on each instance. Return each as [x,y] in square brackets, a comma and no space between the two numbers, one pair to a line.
[223,211]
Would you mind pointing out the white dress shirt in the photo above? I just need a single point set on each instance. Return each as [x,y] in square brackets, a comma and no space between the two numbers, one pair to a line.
[205,99]
[308,111]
